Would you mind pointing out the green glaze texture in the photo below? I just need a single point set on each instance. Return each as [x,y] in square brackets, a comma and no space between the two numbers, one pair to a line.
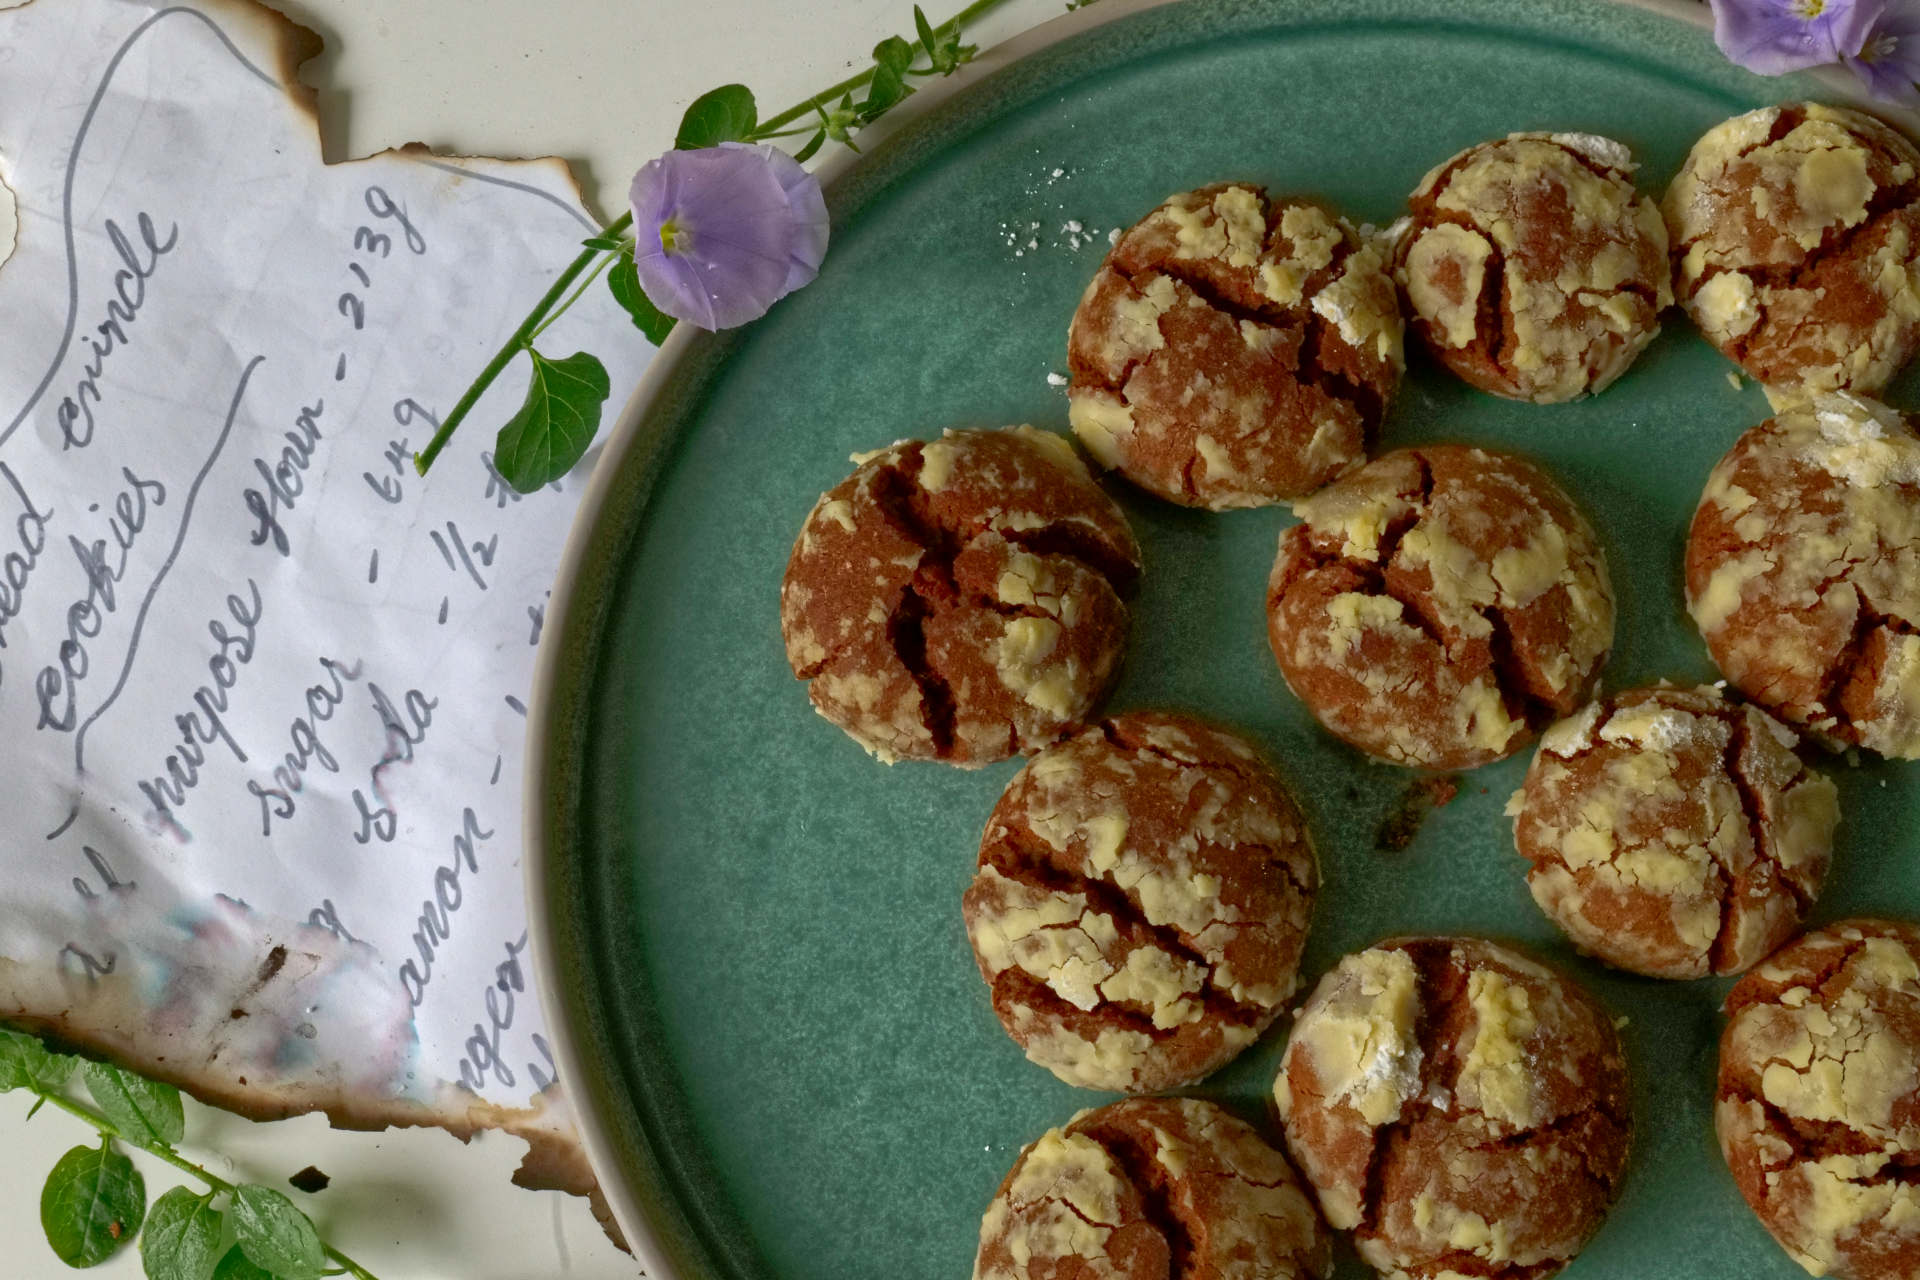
[761,961]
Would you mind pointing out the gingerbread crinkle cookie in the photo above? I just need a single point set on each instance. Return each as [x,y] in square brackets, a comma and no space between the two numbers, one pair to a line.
[1235,349]
[1152,1189]
[1440,606]
[1796,243]
[1142,902]
[1531,266]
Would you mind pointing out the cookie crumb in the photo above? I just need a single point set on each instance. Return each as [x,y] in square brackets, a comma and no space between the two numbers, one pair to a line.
[1418,799]
[309,1180]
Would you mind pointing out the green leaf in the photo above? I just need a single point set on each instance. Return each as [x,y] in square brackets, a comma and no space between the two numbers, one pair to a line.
[726,114]
[805,153]
[893,54]
[888,85]
[182,1237]
[25,1063]
[624,281]
[541,443]
[92,1204]
[605,242]
[142,1110]
[942,46]
[236,1267]
[274,1234]
[884,92]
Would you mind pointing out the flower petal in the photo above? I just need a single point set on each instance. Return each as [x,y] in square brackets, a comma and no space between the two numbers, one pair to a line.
[1771,37]
[1889,62]
[1847,27]
[748,223]
[1889,78]
[670,283]
[809,207]
[649,195]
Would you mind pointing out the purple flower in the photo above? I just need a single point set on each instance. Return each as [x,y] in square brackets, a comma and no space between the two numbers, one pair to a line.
[723,233]
[1888,63]
[1773,37]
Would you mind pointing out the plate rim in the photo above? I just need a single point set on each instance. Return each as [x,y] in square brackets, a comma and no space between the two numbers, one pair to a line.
[623,438]
[540,769]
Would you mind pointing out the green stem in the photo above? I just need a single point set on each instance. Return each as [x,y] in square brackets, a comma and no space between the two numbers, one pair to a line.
[162,1152]
[513,346]
[958,22]
[351,1267]
[561,310]
[538,319]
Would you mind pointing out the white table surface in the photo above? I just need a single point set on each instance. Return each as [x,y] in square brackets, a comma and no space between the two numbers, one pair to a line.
[601,83]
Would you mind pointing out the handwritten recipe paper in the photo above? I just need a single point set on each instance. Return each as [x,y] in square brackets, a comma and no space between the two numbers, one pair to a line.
[255,673]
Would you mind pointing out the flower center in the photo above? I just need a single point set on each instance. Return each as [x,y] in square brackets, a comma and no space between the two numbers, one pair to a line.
[1808,10]
[674,238]
[1878,48]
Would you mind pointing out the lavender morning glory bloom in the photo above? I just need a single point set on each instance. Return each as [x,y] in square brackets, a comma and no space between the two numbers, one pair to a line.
[723,233]
[1889,62]
[1774,37]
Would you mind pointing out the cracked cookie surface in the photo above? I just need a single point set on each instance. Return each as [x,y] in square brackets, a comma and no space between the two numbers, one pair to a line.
[960,599]
[1796,243]
[1152,1189]
[1142,900]
[1672,833]
[1440,606]
[1531,266]
[1803,572]
[1234,350]
[1818,1111]
[1461,1109]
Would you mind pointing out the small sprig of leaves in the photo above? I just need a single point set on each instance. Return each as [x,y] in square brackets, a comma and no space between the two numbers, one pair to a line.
[95,1202]
[561,413]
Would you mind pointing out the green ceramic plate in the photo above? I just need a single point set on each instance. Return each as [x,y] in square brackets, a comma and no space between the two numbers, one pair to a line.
[782,1054]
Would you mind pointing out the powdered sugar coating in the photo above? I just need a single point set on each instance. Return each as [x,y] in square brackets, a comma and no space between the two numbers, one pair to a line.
[1462,1110]
[1796,242]
[1532,268]
[959,599]
[1439,606]
[1803,571]
[1152,1189]
[1142,902]
[1819,1098]
[1234,350]
[1673,834]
